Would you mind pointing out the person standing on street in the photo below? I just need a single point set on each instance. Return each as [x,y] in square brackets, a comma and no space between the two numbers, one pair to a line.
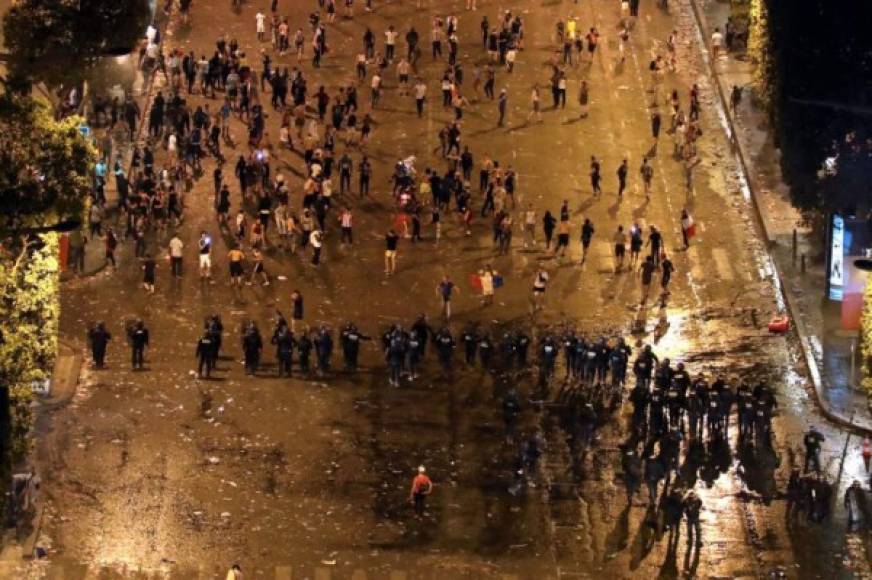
[548,225]
[587,232]
[622,171]
[692,506]
[666,269]
[205,256]
[646,271]
[446,289]
[204,352]
[176,249]
[688,228]
[138,337]
[620,240]
[595,176]
[99,338]
[647,173]
[540,282]
[421,488]
[502,102]
[392,239]
[813,440]
[252,344]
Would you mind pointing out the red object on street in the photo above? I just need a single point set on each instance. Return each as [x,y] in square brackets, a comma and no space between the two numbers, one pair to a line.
[475,281]
[779,324]
[64,251]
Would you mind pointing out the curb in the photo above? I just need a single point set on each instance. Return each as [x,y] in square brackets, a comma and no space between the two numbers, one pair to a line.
[65,377]
[799,326]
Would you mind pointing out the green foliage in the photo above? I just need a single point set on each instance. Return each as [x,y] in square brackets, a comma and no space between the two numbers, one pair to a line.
[760,52]
[45,165]
[866,338]
[29,310]
[52,39]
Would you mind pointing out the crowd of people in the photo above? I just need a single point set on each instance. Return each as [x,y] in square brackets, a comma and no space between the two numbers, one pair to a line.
[678,424]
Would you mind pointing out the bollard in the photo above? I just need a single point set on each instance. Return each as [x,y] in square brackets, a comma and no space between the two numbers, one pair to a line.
[794,244]
[802,264]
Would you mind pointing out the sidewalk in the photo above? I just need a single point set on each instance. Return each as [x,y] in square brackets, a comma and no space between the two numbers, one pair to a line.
[827,350]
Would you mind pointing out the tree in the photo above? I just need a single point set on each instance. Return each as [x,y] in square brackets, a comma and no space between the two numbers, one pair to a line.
[45,177]
[45,165]
[53,39]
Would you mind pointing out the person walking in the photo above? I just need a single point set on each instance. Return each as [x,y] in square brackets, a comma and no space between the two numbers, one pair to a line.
[622,171]
[204,246]
[446,289]
[595,176]
[587,232]
[392,239]
[502,102]
[296,309]
[548,225]
[345,223]
[234,258]
[176,251]
[235,573]
[422,486]
[647,173]
[688,228]
[149,267]
[487,278]
[620,241]
[540,283]
[692,507]
[666,270]
[646,272]
[813,440]
[204,352]
[138,337]
[98,338]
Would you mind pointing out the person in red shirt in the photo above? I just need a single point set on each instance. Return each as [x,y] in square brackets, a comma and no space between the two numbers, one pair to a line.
[421,488]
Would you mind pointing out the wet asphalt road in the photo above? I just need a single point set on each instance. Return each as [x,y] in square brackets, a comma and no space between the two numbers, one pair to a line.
[159,473]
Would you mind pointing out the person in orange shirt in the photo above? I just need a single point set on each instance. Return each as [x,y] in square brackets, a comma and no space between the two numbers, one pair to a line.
[421,488]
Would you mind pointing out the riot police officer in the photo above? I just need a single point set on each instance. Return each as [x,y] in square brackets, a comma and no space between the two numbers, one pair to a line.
[205,348]
[445,348]
[470,344]
[252,344]
[138,336]
[323,349]
[283,338]
[350,339]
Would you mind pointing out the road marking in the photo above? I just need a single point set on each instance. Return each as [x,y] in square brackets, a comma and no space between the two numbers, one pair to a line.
[695,268]
[322,574]
[722,264]
[283,573]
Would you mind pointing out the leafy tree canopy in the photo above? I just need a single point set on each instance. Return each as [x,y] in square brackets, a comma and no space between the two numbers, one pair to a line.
[45,165]
[49,39]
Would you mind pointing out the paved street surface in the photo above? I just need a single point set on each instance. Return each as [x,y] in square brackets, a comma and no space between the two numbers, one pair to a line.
[156,473]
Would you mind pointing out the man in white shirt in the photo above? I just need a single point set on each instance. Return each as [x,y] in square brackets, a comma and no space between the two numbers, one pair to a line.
[176,248]
[420,95]
[205,251]
[717,43]
[390,42]
[260,18]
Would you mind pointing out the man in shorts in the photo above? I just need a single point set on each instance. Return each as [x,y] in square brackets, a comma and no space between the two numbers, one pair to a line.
[620,240]
[391,241]
[205,250]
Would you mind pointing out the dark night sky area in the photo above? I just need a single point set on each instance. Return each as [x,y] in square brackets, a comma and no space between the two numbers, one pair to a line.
[824,54]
